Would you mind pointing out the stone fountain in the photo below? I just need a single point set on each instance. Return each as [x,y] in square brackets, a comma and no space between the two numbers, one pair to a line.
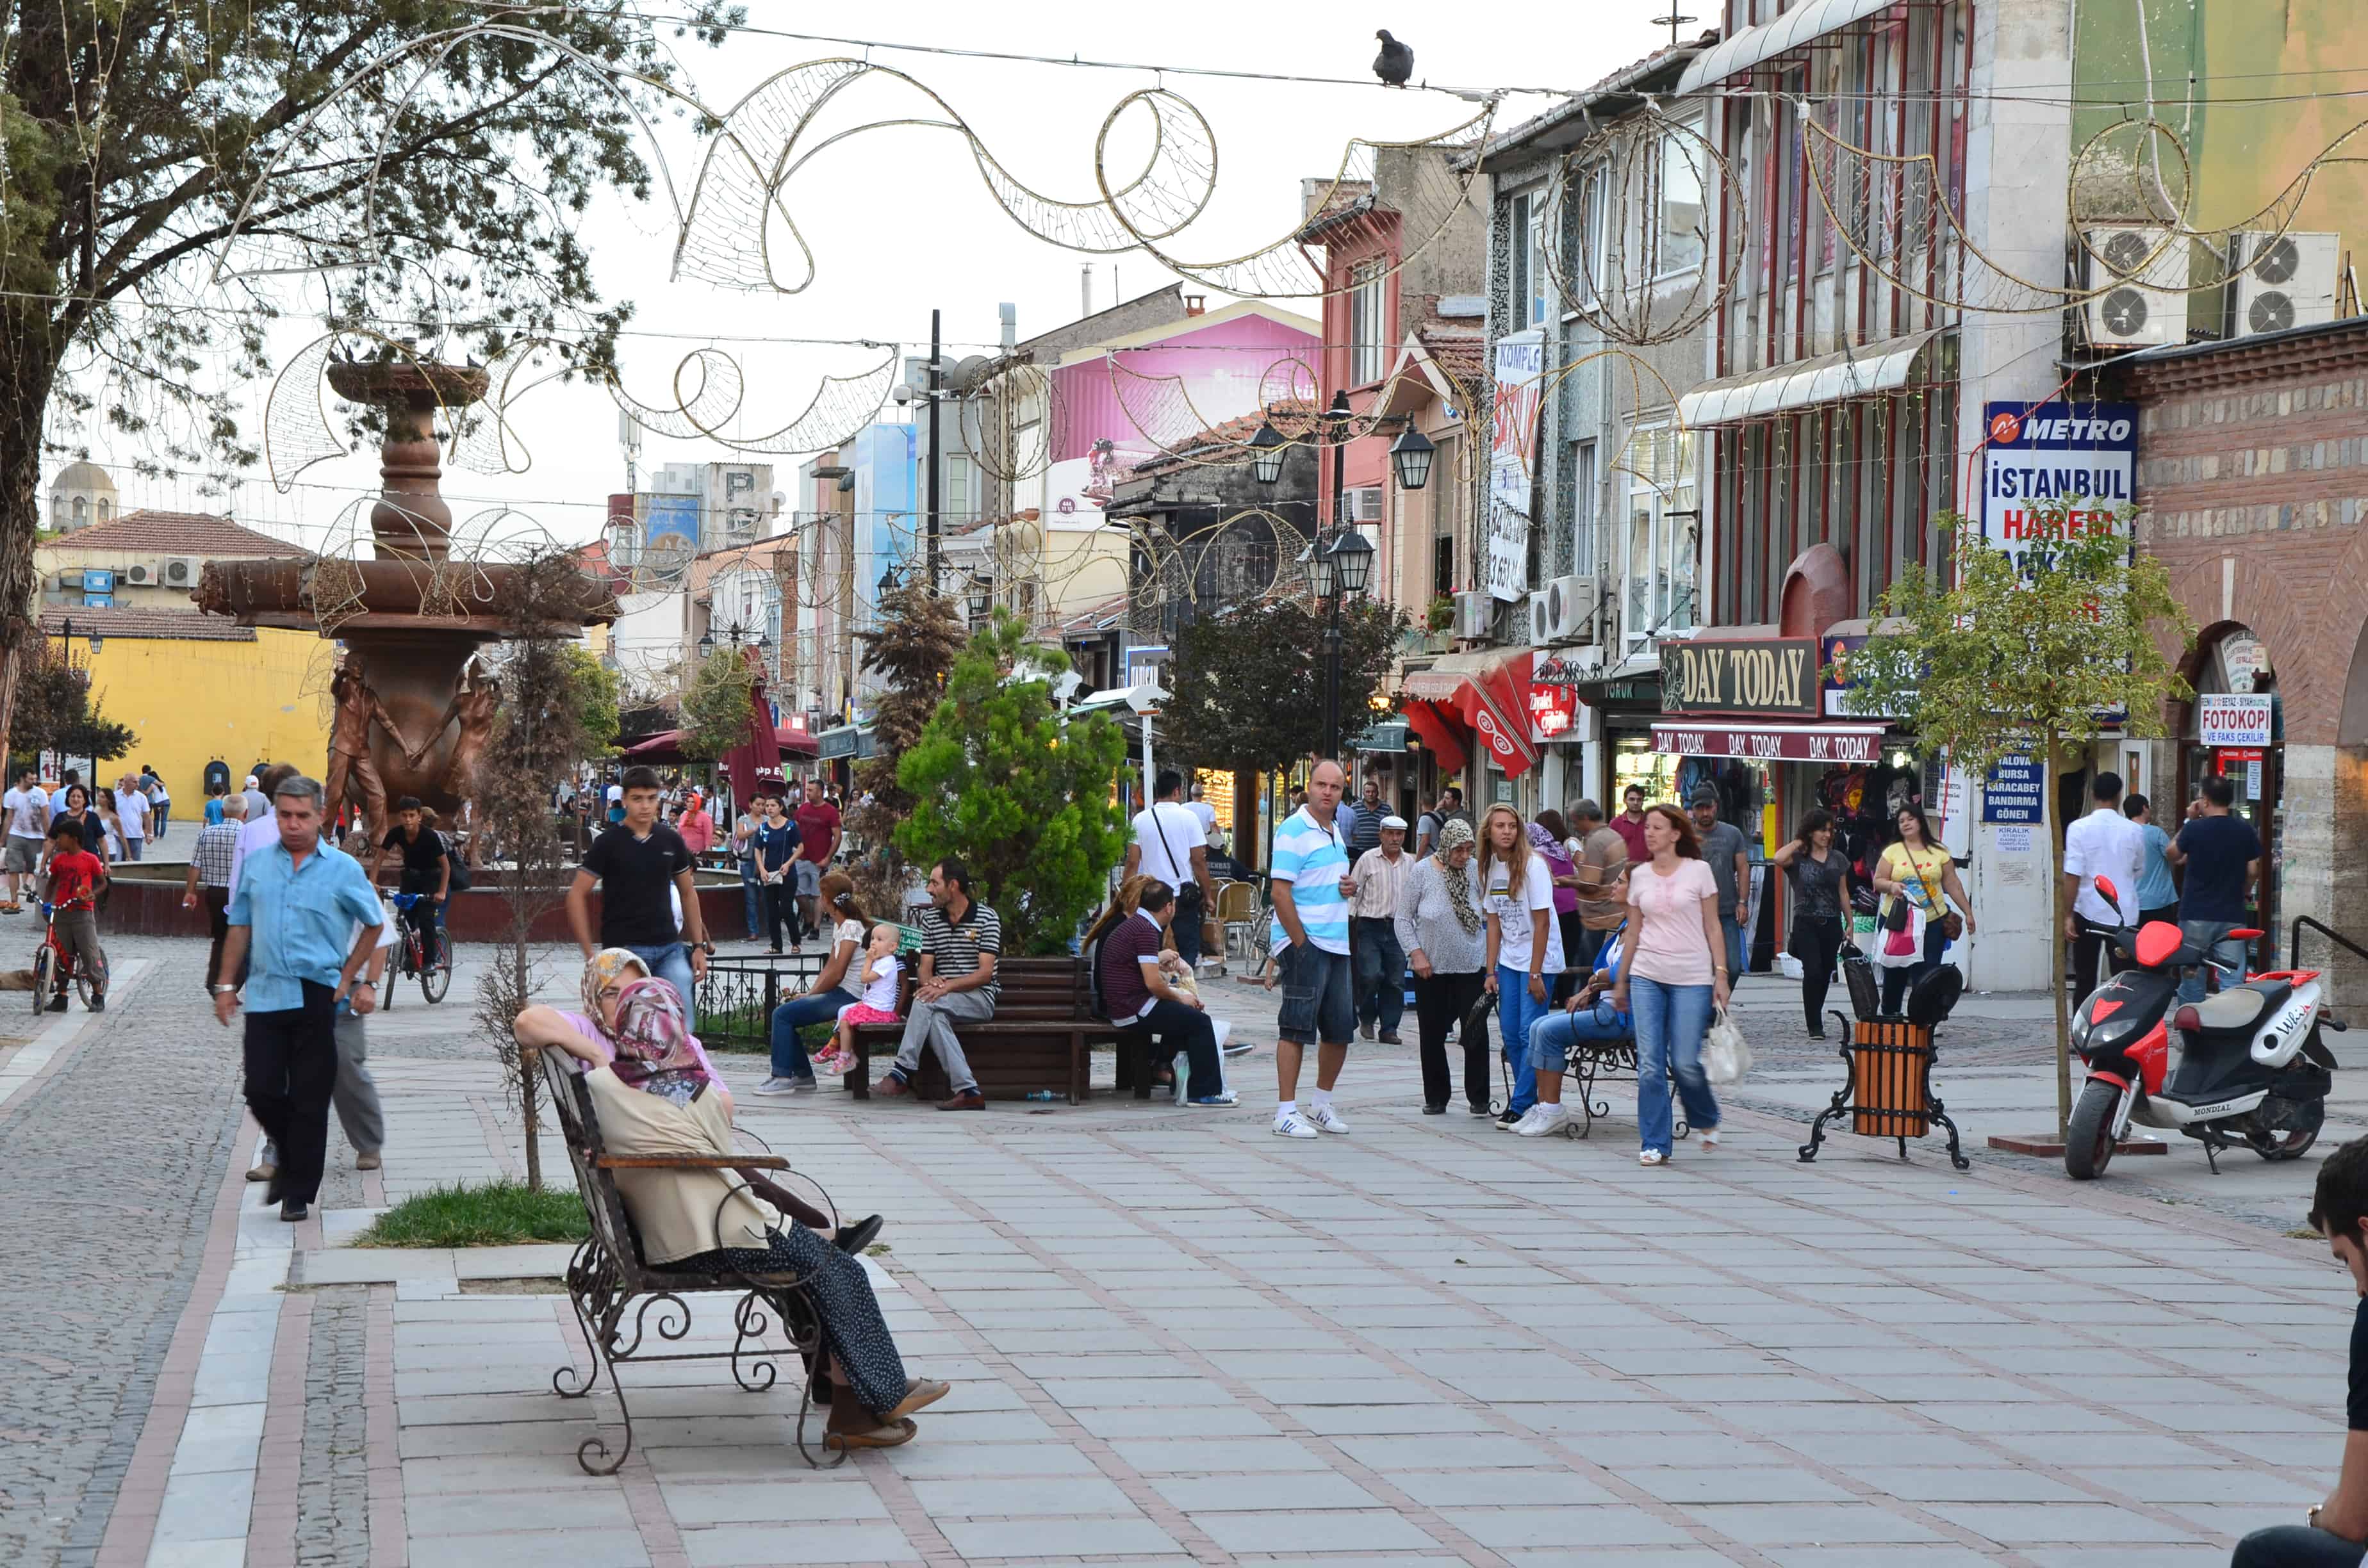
[414,705]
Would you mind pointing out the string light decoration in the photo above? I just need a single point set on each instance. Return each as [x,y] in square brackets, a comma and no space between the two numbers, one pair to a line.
[1650,279]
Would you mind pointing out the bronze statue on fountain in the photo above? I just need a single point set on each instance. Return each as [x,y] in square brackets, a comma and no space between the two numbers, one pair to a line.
[415,703]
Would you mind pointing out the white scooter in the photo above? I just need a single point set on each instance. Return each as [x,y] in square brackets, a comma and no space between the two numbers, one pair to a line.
[2252,1069]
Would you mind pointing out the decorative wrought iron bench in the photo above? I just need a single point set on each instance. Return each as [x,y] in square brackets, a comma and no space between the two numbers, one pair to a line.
[614,1292]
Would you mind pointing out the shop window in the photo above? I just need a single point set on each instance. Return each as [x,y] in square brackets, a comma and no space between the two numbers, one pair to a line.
[1681,218]
[1442,565]
[1369,333]
[1663,541]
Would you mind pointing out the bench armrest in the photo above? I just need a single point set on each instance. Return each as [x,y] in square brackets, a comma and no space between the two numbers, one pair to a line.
[689,1162]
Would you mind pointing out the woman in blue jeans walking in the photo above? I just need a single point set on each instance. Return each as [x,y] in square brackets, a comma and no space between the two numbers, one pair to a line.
[1672,973]
[839,983]
[1524,947]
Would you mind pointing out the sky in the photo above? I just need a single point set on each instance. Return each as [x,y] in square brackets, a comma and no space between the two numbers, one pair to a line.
[901,222]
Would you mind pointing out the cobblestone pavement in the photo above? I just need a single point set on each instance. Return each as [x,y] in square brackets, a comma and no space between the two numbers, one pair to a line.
[1176,1338]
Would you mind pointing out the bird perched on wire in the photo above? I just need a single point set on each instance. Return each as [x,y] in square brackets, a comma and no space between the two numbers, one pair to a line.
[1394,65]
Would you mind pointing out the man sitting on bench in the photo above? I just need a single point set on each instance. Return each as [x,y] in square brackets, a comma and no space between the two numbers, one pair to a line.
[961,940]
[1140,998]
[1584,1020]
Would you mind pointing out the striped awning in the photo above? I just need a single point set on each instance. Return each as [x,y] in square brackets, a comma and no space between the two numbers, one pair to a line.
[1796,29]
[1806,383]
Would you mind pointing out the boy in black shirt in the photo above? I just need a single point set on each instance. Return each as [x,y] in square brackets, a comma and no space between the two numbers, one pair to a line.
[426,871]
[635,862]
[2335,1532]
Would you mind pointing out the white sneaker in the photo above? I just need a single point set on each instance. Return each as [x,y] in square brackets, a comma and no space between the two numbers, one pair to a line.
[1543,1118]
[1291,1125]
[777,1086]
[1325,1117]
[1521,1124]
[1710,1138]
[1651,1157]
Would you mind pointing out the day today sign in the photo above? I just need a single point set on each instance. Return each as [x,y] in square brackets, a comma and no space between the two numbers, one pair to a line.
[1762,674]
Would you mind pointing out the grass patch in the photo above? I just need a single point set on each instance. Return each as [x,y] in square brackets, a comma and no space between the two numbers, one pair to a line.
[2307,1234]
[501,1214]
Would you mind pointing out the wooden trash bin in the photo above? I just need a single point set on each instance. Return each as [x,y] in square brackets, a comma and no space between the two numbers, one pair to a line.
[1889,1094]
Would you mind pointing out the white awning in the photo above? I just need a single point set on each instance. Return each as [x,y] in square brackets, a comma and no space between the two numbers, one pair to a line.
[1799,26]
[1805,383]
[1446,675]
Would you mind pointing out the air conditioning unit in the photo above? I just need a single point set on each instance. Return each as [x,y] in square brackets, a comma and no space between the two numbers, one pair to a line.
[143,575]
[2276,281]
[181,571]
[2139,275]
[1536,619]
[1365,504]
[1570,609]
[1475,615]
[69,579]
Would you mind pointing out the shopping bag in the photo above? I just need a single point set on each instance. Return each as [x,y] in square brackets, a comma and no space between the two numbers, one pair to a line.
[1725,1057]
[1900,950]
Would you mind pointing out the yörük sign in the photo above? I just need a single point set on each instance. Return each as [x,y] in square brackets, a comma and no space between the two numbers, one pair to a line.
[1761,674]
[2040,458]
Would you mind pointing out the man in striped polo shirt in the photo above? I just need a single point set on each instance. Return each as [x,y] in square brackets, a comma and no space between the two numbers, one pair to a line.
[1312,888]
[961,940]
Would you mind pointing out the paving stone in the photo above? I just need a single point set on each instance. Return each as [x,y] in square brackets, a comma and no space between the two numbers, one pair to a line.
[2016,1524]
[1000,1498]
[1291,1490]
[482,1513]
[1052,1538]
[1517,1530]
[1326,1531]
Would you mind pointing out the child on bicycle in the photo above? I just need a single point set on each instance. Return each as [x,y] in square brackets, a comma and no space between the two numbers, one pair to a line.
[75,877]
[879,971]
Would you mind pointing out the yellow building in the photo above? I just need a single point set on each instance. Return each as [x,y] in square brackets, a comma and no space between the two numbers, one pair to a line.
[197,689]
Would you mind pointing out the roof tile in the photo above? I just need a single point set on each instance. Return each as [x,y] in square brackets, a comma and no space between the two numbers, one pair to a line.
[186,625]
[177,533]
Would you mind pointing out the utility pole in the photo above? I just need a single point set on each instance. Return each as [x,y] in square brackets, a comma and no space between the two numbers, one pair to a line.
[937,380]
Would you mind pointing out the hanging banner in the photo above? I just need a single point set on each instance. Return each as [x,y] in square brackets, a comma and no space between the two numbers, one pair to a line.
[1512,459]
[2043,456]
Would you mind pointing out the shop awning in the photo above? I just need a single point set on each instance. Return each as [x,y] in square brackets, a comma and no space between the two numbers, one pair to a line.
[1841,745]
[1489,692]
[1795,29]
[1439,731]
[1387,736]
[665,749]
[1806,383]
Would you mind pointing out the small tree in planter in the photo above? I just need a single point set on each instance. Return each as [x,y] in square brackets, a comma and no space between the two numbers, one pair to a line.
[1025,794]
[2033,659]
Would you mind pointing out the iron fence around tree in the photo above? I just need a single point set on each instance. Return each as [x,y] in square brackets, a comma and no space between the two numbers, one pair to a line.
[737,998]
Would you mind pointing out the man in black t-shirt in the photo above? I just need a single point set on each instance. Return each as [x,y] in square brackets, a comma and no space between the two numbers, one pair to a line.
[635,863]
[426,870]
[2220,856]
[2335,1533]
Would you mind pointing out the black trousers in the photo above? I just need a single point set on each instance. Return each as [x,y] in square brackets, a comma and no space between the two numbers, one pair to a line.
[217,902]
[780,906]
[1822,939]
[1440,1004]
[291,1070]
[1187,1029]
[2091,954]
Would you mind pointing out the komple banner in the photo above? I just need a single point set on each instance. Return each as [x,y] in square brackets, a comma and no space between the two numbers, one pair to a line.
[2043,456]
[1512,459]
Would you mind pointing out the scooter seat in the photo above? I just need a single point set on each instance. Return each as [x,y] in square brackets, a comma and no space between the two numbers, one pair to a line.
[2241,1006]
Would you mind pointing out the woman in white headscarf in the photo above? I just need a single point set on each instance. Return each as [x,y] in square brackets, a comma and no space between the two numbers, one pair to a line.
[1444,933]
[654,1091]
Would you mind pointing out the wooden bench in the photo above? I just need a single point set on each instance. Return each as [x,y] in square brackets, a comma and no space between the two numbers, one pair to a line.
[1040,1040]
[614,1292]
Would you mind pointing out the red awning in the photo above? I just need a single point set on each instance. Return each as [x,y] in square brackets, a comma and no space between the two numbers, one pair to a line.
[1490,693]
[666,748]
[1438,732]
[1774,742]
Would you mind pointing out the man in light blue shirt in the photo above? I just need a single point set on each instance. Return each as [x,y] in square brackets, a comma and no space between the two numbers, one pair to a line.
[2158,895]
[1312,886]
[296,899]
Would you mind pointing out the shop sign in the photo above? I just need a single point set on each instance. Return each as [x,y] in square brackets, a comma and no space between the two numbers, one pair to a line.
[1557,668]
[1512,459]
[1553,709]
[2015,792]
[2040,456]
[1770,743]
[1765,675]
[2223,719]
[2243,656]
[1834,683]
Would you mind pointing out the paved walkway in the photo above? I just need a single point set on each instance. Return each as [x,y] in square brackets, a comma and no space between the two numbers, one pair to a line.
[1176,1338]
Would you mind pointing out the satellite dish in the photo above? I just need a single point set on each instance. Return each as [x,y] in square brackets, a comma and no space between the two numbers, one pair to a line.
[968,373]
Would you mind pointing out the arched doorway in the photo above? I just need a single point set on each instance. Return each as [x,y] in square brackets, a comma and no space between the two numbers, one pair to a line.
[2235,729]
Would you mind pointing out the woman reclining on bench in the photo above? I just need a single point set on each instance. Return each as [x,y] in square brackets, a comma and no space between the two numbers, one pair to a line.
[655,1093]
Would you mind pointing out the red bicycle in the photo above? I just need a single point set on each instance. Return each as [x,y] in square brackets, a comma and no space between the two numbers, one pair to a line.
[53,966]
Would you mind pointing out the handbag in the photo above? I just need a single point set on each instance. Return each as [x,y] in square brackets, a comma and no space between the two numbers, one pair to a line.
[1953,927]
[1726,1056]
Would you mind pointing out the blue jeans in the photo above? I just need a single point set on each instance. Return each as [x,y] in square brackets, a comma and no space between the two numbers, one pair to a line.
[1515,1013]
[1554,1036]
[752,894]
[2212,935]
[2297,1546]
[670,961]
[1670,1022]
[1734,929]
[790,1059]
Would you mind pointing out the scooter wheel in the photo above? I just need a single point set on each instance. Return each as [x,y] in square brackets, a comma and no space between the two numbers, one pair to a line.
[2089,1141]
[2293,1146]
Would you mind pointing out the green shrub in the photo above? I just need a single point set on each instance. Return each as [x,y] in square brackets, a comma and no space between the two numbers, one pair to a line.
[500,1213]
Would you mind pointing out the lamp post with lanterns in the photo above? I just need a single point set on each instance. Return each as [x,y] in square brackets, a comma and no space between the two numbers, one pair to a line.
[1340,559]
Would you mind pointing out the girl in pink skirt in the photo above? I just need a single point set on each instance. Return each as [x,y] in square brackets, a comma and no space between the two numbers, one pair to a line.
[879,975]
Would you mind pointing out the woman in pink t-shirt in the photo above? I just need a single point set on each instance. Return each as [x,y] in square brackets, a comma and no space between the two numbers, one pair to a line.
[1672,976]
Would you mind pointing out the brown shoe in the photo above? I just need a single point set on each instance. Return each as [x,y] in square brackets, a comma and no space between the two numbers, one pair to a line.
[969,1099]
[888,1434]
[920,1394]
[369,1162]
[892,1086]
[261,1173]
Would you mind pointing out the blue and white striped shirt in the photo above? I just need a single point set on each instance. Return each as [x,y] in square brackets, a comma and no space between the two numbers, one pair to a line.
[1313,858]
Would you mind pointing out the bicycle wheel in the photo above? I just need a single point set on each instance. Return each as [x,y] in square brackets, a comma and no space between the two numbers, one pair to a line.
[436,971]
[90,981]
[45,969]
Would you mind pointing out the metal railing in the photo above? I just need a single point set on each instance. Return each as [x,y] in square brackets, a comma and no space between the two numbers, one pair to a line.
[737,998]
[2293,941]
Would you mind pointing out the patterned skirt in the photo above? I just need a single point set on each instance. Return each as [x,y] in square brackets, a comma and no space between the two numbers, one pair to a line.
[852,1328]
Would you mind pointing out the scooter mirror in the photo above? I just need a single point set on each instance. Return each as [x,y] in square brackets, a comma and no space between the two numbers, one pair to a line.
[2106,888]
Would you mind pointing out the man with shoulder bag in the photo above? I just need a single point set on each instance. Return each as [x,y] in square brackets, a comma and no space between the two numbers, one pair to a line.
[1170,844]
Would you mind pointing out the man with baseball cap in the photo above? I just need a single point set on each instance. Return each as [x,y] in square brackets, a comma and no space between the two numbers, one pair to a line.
[1380,874]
